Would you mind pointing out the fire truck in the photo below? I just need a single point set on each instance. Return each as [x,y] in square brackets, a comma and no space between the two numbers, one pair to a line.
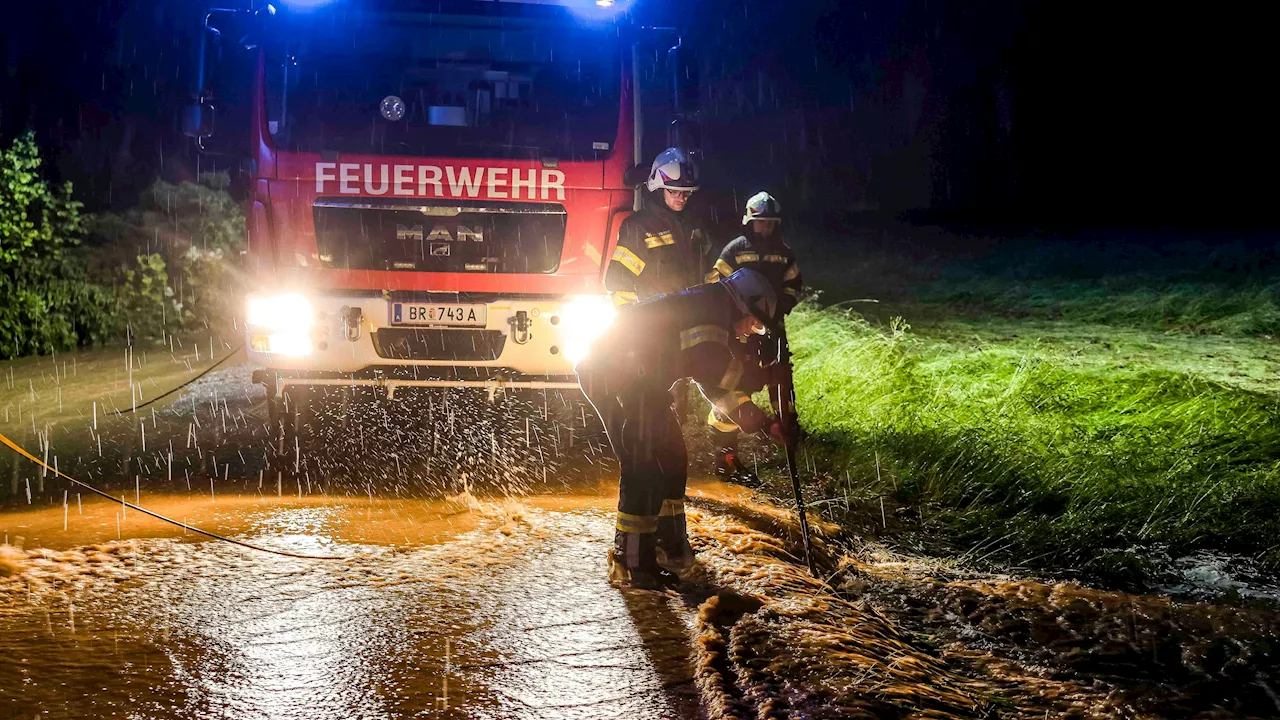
[435,186]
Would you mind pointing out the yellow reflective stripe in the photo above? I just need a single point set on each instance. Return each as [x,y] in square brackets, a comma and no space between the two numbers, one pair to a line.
[777,259]
[746,257]
[637,523]
[625,297]
[592,253]
[671,508]
[713,419]
[724,268]
[653,241]
[732,375]
[793,272]
[703,333]
[629,260]
[792,292]
[732,401]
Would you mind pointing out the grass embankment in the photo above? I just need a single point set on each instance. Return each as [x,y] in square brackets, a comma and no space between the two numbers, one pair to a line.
[1076,409]
[79,405]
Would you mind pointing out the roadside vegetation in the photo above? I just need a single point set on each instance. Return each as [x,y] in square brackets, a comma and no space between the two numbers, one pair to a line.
[1067,406]
[172,261]
[168,266]
[47,301]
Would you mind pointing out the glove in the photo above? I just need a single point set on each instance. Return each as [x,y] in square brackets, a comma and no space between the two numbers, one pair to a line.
[777,431]
[780,375]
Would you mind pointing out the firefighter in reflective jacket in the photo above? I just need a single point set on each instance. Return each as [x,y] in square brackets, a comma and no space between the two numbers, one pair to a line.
[763,250]
[662,248]
[627,376]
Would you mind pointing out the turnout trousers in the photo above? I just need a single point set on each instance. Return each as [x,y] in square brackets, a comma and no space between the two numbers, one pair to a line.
[644,431]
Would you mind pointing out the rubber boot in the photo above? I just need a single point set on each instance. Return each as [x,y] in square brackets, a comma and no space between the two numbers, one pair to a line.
[643,572]
[673,551]
[679,559]
[651,578]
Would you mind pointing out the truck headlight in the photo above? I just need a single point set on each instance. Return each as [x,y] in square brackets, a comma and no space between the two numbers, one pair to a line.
[584,319]
[280,324]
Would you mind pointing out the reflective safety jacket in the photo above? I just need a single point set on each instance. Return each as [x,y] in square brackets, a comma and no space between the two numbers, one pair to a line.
[771,258]
[683,335]
[659,251]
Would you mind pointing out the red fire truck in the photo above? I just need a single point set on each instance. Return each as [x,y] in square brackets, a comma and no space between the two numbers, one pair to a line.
[436,185]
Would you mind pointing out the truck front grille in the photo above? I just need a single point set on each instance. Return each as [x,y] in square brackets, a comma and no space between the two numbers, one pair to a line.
[457,236]
[439,344]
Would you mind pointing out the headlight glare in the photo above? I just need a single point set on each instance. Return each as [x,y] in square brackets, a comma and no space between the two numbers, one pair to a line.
[290,344]
[280,324]
[584,319]
[290,311]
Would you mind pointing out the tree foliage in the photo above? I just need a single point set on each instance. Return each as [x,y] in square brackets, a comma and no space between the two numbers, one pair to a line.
[46,299]
[173,260]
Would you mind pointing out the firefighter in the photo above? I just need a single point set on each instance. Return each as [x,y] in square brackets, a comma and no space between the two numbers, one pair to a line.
[627,376]
[662,248]
[762,249]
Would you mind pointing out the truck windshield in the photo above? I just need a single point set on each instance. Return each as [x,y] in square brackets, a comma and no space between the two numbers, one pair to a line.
[443,85]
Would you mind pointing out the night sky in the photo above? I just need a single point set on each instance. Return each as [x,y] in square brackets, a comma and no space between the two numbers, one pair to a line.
[1006,111]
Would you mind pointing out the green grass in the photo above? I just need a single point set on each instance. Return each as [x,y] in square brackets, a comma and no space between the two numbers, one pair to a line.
[55,399]
[1057,421]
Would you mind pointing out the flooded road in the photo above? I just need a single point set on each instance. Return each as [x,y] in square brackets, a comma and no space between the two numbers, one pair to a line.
[440,609]
[497,606]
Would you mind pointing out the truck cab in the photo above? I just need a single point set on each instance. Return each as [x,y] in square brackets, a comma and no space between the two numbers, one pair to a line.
[434,193]
[435,187]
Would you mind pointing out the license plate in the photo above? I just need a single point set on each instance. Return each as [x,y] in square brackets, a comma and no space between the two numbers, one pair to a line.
[439,314]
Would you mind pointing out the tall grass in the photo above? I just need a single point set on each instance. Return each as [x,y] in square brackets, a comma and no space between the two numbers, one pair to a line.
[1230,287]
[1041,447]
[1204,307]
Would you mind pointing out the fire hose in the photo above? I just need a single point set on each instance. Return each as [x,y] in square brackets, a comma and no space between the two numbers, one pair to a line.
[57,473]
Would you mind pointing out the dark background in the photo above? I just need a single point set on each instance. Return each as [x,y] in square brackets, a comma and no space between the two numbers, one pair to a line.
[1006,111]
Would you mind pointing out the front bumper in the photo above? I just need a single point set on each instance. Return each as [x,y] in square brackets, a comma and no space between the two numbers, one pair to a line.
[526,342]
[277,384]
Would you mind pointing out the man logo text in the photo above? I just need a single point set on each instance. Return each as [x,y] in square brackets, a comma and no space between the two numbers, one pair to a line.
[441,233]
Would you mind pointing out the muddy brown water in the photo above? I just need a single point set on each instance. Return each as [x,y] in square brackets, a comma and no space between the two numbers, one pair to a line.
[499,608]
[441,608]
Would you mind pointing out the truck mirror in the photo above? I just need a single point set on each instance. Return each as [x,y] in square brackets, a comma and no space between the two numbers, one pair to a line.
[197,116]
[251,27]
[686,87]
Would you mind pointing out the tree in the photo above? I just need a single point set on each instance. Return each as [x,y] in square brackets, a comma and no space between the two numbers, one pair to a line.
[47,302]
[173,258]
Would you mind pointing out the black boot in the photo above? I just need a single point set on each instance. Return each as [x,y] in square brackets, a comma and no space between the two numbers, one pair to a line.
[633,563]
[673,551]
[651,577]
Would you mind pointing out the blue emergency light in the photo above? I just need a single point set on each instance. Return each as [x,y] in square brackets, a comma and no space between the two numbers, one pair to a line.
[587,8]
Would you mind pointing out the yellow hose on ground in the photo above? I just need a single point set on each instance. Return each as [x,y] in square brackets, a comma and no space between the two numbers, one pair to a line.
[57,473]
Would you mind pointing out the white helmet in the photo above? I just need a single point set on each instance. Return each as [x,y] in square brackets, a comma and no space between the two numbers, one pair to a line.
[762,206]
[673,169]
[753,295]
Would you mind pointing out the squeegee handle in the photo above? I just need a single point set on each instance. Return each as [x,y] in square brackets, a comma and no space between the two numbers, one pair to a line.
[800,509]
